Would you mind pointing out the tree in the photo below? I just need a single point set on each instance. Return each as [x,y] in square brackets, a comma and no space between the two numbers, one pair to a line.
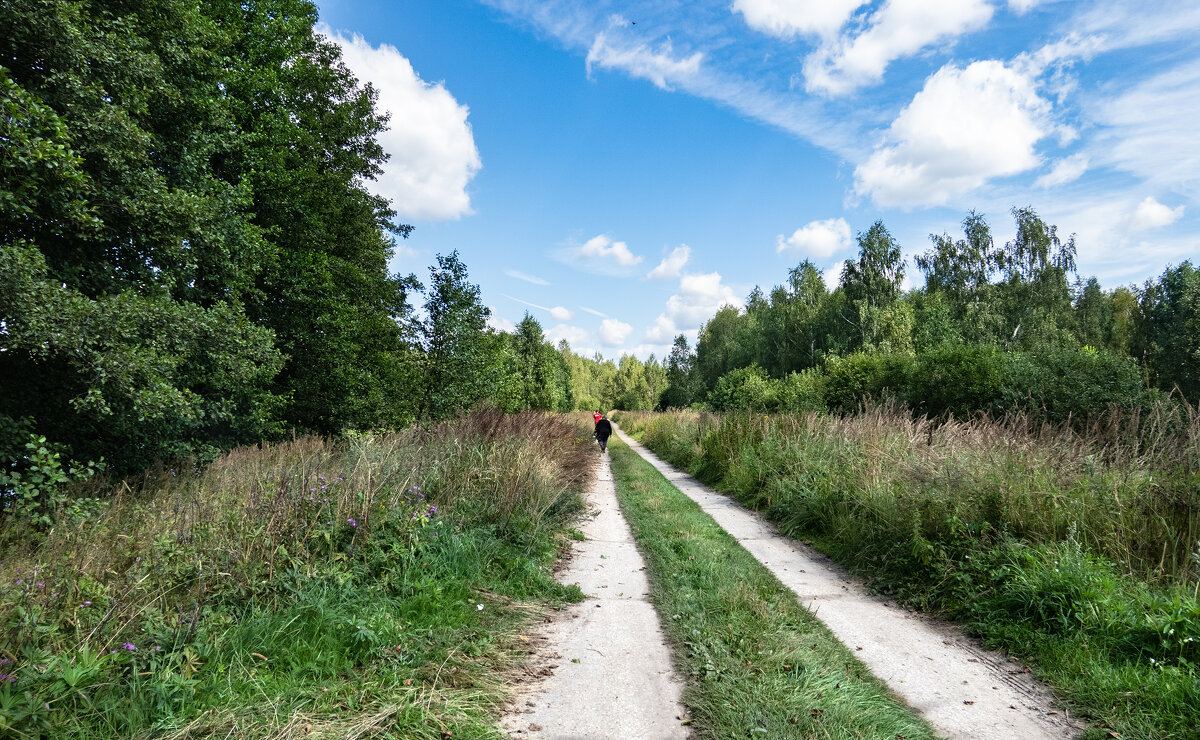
[1171,330]
[876,276]
[681,390]
[457,372]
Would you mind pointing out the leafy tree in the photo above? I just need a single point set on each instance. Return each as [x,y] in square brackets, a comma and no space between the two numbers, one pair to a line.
[1171,329]
[681,389]
[457,372]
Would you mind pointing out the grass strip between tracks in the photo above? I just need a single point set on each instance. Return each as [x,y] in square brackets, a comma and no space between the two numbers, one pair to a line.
[755,663]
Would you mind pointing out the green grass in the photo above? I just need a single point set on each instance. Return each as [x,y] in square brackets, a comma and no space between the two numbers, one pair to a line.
[1028,537]
[255,612]
[755,663]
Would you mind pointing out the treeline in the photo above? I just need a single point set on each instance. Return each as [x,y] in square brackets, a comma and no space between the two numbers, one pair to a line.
[994,329]
[189,259]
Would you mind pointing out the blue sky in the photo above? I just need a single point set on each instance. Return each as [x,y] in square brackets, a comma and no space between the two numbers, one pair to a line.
[622,169]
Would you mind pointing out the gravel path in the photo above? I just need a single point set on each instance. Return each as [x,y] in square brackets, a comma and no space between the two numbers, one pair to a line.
[603,665]
[959,688]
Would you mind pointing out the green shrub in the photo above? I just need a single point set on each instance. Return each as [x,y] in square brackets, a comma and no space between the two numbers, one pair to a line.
[959,379]
[1065,383]
[861,376]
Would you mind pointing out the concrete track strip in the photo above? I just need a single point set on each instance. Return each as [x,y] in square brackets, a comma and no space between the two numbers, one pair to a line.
[959,688]
[606,666]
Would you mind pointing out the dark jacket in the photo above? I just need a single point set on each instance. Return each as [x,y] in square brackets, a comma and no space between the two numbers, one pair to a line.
[603,428]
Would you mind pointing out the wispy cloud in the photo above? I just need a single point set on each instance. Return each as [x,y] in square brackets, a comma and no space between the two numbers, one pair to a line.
[527,278]
[593,312]
[557,312]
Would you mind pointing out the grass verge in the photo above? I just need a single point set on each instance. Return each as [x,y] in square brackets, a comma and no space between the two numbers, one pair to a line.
[369,587]
[756,664]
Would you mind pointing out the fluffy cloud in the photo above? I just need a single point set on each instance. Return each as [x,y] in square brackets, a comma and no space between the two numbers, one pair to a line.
[699,297]
[433,154]
[672,264]
[639,60]
[797,17]
[1150,214]
[1064,171]
[602,255]
[527,278]
[573,334]
[499,323]
[817,238]
[963,128]
[900,28]
[613,332]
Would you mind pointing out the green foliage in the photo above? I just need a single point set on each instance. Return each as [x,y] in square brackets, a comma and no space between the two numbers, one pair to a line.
[1171,333]
[33,488]
[851,380]
[330,580]
[1061,384]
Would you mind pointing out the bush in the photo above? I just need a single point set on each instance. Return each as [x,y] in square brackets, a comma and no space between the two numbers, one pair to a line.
[851,380]
[959,379]
[1063,383]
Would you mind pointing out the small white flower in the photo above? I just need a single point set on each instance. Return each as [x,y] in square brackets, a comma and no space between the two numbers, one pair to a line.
[479,607]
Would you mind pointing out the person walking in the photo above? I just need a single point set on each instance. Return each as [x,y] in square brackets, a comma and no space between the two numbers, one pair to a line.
[603,431]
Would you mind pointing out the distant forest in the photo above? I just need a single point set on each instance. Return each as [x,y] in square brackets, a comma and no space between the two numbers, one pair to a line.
[994,329]
[189,260]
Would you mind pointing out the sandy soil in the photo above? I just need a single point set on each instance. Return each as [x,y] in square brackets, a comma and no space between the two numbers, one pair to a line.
[961,689]
[601,668]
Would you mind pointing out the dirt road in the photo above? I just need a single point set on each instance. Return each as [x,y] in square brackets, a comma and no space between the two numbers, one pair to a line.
[605,664]
[959,688]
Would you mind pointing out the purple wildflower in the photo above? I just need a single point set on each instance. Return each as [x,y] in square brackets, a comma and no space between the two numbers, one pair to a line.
[87,603]
[129,646]
[351,522]
[39,584]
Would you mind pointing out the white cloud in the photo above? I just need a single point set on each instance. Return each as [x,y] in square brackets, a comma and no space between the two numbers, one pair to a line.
[817,238]
[499,323]
[963,128]
[832,276]
[1150,129]
[786,18]
[699,297]
[613,332]
[900,28]
[527,278]
[602,255]
[433,154]
[1150,214]
[593,312]
[638,60]
[672,264]
[1020,7]
[1064,171]
[573,334]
